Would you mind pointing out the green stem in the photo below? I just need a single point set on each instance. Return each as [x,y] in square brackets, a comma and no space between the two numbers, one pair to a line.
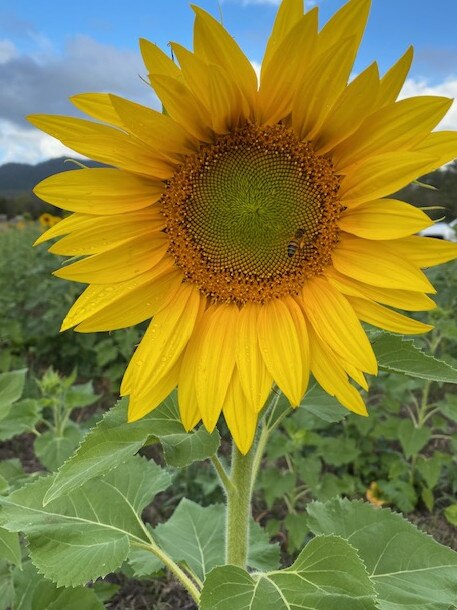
[239,507]
[259,451]
[222,473]
[173,567]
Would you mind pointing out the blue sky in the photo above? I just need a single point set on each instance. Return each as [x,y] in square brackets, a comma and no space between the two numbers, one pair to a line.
[52,49]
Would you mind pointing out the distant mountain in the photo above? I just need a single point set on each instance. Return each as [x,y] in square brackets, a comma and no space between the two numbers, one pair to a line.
[19,178]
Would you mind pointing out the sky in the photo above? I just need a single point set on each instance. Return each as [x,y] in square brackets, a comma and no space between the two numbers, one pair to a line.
[52,49]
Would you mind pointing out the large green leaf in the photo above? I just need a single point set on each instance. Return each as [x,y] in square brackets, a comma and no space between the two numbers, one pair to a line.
[11,388]
[408,568]
[183,448]
[315,405]
[327,575]
[320,404]
[87,533]
[34,592]
[111,442]
[401,356]
[195,535]
[10,548]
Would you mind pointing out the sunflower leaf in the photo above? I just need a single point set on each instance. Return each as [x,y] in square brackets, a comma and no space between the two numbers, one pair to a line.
[86,533]
[327,574]
[111,442]
[402,356]
[196,535]
[184,448]
[33,592]
[407,567]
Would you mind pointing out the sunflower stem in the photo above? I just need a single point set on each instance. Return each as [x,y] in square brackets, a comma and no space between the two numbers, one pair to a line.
[222,473]
[174,568]
[239,507]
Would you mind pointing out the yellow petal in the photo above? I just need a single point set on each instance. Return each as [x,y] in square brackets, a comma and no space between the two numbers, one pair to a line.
[442,145]
[350,20]
[289,13]
[331,376]
[213,43]
[105,144]
[165,339]
[382,175]
[240,418]
[350,109]
[382,317]
[401,299]
[393,80]
[279,80]
[378,264]
[355,374]
[425,251]
[139,406]
[113,306]
[326,78]
[187,395]
[384,219]
[97,106]
[182,106]
[123,262]
[397,127]
[100,233]
[154,128]
[66,225]
[225,100]
[279,342]
[335,322]
[254,377]
[99,191]
[194,71]
[215,360]
[156,61]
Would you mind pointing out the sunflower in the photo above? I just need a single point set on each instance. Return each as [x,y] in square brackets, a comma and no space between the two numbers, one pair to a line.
[47,220]
[250,221]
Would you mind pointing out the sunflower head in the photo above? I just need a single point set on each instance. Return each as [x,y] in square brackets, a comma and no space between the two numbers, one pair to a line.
[251,222]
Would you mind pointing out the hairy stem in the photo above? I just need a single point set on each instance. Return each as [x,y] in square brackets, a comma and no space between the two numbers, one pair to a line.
[239,507]
[186,582]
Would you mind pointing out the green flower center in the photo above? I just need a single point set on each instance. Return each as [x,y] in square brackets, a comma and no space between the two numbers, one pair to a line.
[253,215]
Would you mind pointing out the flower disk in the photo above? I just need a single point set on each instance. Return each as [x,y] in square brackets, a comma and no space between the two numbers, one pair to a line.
[233,209]
[251,222]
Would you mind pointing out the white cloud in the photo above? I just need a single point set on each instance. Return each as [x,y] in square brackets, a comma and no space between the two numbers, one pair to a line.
[43,81]
[22,145]
[447,88]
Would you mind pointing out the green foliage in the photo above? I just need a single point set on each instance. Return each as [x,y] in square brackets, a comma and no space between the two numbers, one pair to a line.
[407,568]
[195,535]
[61,535]
[327,574]
[401,356]
[33,304]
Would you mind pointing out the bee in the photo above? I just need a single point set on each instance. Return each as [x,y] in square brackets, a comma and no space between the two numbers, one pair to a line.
[296,243]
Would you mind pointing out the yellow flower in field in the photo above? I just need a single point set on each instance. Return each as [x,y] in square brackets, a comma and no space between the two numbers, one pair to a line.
[48,220]
[249,221]
[45,220]
[373,495]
